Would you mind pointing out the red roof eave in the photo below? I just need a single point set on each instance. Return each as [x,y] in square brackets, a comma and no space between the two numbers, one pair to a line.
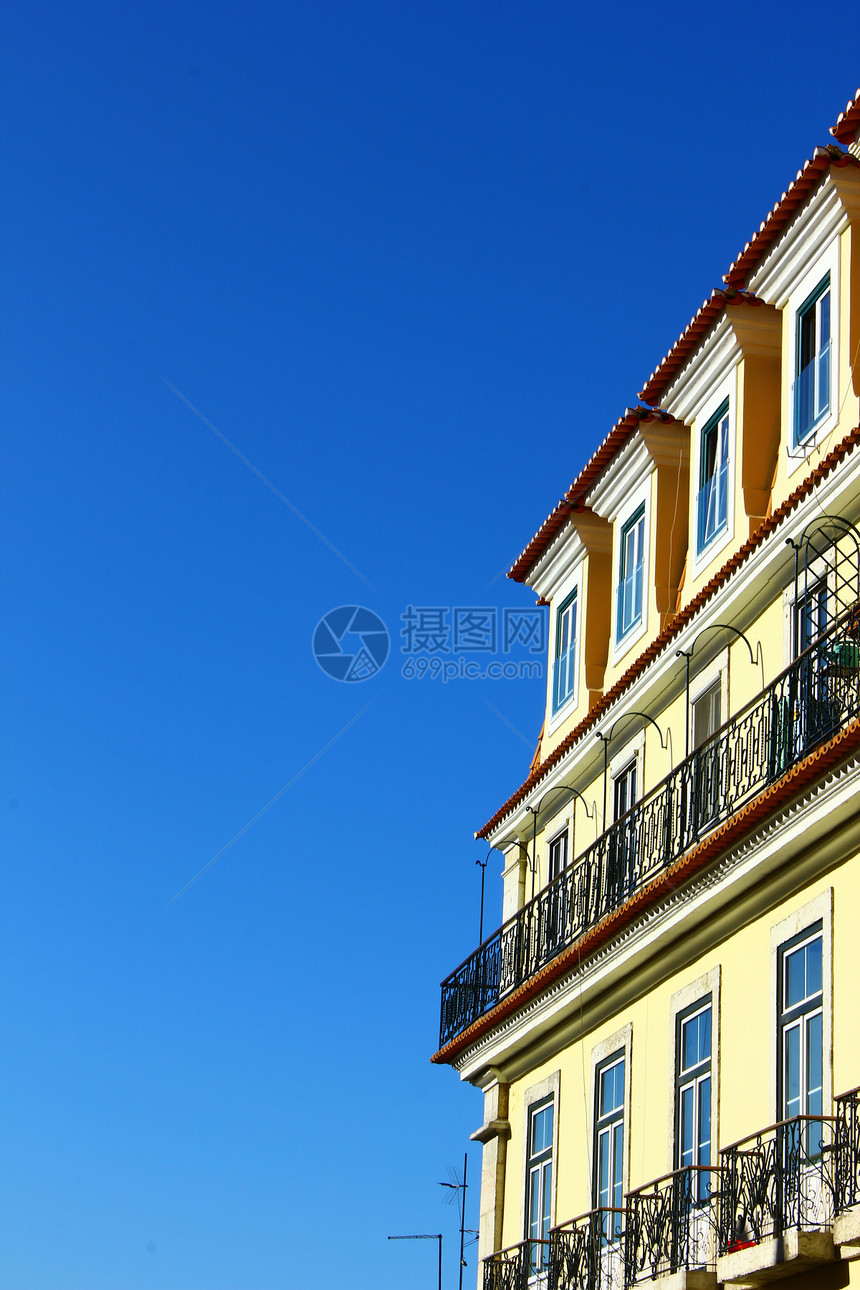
[848,122]
[795,196]
[690,340]
[574,498]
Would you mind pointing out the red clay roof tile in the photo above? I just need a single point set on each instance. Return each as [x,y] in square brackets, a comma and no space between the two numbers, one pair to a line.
[574,498]
[848,122]
[690,339]
[799,190]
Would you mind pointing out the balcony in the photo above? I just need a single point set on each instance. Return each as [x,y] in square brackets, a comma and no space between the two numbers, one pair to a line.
[778,1200]
[671,1231]
[520,1267]
[588,1252]
[805,705]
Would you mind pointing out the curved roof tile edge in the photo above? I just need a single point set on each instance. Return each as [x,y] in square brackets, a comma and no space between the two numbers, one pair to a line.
[691,338]
[848,122]
[805,181]
[574,497]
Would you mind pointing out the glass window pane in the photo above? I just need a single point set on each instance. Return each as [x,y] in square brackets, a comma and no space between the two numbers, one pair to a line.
[603,1168]
[534,1204]
[791,1071]
[685,1128]
[617,1166]
[814,1065]
[547,1196]
[704,1121]
[813,967]
[795,978]
[824,320]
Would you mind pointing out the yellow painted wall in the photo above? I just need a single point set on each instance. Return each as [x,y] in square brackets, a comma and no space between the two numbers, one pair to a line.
[747,1029]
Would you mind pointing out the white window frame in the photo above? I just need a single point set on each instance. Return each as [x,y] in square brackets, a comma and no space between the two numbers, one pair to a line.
[725,392]
[640,498]
[561,835]
[571,602]
[692,1080]
[822,383]
[817,910]
[572,586]
[826,263]
[801,1014]
[548,1089]
[621,1042]
[683,1000]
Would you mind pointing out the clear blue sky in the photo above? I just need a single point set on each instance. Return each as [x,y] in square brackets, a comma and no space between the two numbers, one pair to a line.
[413,261]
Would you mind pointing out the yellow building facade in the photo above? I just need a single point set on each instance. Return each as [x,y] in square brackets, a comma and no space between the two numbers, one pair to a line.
[663,1026]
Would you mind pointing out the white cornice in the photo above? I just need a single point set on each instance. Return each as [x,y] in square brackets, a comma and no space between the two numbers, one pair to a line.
[561,558]
[705,369]
[806,236]
[624,473]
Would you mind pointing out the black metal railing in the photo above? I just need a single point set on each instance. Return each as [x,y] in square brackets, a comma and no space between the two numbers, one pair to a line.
[847,1116]
[784,1177]
[588,1252]
[671,1224]
[807,703]
[519,1267]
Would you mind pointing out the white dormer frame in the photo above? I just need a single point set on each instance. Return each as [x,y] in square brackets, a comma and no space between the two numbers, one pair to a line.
[558,575]
[726,391]
[808,250]
[624,487]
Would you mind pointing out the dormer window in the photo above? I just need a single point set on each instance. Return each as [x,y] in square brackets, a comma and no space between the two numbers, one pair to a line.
[812,363]
[631,573]
[564,668]
[713,496]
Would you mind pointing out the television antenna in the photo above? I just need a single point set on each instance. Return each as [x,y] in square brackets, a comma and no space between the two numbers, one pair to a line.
[457,1194]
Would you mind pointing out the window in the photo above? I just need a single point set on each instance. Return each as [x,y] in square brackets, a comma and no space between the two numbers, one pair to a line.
[706,764]
[712,502]
[800,1033]
[813,713]
[621,873]
[630,573]
[557,855]
[564,674]
[810,616]
[539,1185]
[812,362]
[609,1143]
[693,1098]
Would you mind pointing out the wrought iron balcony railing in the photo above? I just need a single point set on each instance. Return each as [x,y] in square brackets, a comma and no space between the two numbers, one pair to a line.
[784,1177]
[588,1252]
[520,1267]
[671,1225]
[847,1107]
[804,706]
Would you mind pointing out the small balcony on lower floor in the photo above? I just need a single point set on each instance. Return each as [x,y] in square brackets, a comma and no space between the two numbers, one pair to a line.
[588,1252]
[520,1267]
[671,1231]
[779,1197]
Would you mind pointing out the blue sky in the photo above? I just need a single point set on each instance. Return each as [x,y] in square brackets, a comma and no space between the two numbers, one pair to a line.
[412,262]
